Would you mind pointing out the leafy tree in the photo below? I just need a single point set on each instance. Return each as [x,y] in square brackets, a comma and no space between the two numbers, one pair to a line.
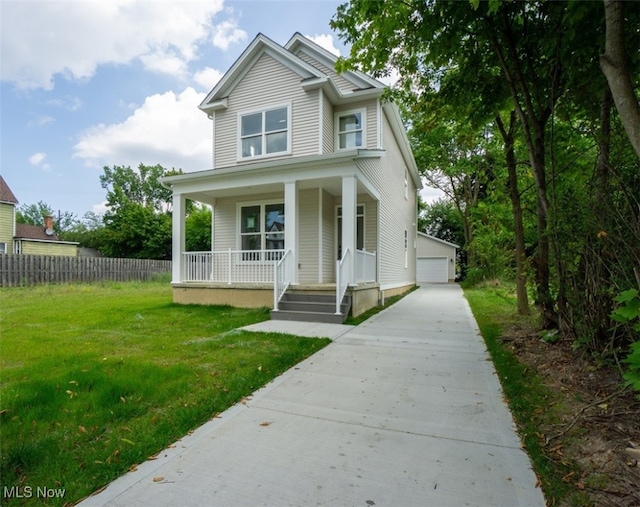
[198,229]
[472,62]
[137,223]
[34,214]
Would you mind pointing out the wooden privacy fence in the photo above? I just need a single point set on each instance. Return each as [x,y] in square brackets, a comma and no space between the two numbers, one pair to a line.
[39,269]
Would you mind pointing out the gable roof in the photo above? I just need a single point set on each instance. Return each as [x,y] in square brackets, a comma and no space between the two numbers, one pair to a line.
[428,236]
[6,195]
[310,76]
[26,231]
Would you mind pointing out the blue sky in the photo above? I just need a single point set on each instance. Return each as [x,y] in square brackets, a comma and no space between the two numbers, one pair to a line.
[92,83]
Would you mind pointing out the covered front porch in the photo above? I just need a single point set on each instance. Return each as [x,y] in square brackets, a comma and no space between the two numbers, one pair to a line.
[288,228]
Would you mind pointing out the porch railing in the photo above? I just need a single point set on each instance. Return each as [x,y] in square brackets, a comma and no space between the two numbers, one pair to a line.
[231,266]
[282,277]
[342,278]
[365,266]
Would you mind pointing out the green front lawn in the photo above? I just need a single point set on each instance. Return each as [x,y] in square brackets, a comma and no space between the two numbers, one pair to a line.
[97,378]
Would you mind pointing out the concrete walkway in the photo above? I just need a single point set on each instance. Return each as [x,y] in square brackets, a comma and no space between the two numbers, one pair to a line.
[403,410]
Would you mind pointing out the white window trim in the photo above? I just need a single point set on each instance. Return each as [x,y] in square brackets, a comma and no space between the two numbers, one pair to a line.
[263,234]
[3,247]
[264,155]
[336,127]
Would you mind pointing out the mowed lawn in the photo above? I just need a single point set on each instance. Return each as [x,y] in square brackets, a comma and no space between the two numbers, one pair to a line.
[98,378]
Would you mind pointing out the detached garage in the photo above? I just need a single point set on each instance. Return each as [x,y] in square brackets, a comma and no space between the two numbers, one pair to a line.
[436,260]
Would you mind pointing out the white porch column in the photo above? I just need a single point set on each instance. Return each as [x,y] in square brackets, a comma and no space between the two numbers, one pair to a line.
[349,226]
[291,226]
[178,243]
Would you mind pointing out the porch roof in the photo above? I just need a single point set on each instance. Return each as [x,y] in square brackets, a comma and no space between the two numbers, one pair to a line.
[325,171]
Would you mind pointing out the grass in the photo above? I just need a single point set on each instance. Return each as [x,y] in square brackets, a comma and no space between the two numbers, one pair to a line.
[97,378]
[494,307]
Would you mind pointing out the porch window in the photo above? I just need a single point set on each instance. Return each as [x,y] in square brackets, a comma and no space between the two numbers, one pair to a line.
[262,229]
[359,229]
[350,129]
[264,133]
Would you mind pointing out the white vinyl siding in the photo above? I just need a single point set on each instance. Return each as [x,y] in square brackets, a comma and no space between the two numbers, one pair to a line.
[343,84]
[396,213]
[308,235]
[267,84]
[327,126]
[328,249]
[225,218]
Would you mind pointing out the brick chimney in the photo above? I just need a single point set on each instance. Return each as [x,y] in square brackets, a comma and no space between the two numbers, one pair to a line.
[48,225]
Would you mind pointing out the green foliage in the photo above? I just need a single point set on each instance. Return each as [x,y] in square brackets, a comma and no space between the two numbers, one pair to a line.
[198,229]
[34,214]
[632,376]
[138,221]
[463,64]
[108,375]
[628,313]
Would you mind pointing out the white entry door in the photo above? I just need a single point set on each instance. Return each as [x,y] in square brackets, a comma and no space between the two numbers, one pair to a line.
[432,270]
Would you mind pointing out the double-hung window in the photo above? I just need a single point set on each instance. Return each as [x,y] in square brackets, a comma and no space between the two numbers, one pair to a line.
[350,129]
[262,231]
[264,133]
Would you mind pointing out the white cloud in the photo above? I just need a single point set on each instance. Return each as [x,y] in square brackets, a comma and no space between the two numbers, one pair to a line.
[325,41]
[41,39]
[41,121]
[168,129]
[37,158]
[100,208]
[207,78]
[227,33]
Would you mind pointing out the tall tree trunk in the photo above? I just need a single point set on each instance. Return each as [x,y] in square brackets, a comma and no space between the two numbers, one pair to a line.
[518,227]
[533,120]
[614,66]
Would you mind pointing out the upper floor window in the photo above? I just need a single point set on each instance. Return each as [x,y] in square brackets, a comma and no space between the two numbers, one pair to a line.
[264,133]
[350,129]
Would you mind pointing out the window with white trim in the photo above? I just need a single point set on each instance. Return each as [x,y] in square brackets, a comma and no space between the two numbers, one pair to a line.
[261,229]
[350,129]
[264,133]
[3,248]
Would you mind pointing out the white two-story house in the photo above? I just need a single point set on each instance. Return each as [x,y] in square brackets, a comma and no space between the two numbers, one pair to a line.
[313,188]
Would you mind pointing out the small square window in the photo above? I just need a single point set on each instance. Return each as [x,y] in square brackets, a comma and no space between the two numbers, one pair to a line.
[350,129]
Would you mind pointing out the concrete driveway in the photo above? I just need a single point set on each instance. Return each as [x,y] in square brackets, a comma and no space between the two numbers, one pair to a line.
[403,410]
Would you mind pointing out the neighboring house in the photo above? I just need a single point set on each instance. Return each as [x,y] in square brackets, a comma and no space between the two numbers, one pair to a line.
[313,183]
[8,203]
[28,239]
[436,262]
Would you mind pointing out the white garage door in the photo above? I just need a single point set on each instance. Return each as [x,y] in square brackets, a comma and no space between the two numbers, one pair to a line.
[432,270]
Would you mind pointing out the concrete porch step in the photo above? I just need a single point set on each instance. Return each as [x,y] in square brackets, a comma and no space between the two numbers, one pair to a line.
[327,318]
[306,307]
